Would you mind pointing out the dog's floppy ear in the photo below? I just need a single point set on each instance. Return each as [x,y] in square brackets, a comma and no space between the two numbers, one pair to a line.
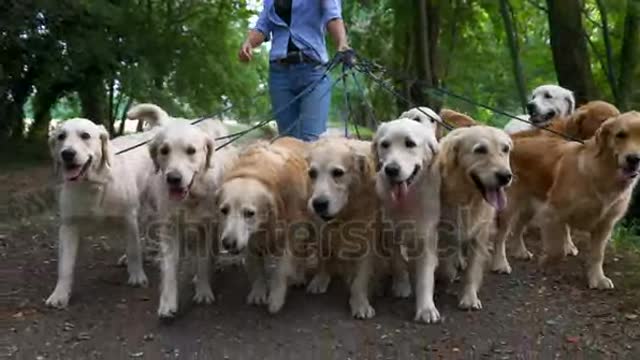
[574,123]
[602,136]
[571,103]
[450,147]
[210,149]
[105,148]
[153,151]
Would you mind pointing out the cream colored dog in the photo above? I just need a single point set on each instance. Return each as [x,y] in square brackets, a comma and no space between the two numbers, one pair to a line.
[409,186]
[189,171]
[474,165]
[547,102]
[577,186]
[153,114]
[342,177]
[100,193]
[262,206]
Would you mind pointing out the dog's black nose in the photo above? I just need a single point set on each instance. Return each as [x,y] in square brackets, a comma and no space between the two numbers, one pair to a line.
[320,205]
[633,160]
[392,170]
[504,177]
[68,155]
[531,108]
[174,178]
[228,243]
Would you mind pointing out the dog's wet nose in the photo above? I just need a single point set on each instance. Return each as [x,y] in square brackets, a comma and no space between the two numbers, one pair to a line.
[174,178]
[68,155]
[504,177]
[320,205]
[531,108]
[392,170]
[633,160]
[229,244]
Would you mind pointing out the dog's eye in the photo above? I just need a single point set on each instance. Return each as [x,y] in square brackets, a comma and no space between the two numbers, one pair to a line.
[313,173]
[385,144]
[85,136]
[191,150]
[224,210]
[433,121]
[164,150]
[248,214]
[622,135]
[480,150]
[417,118]
[336,173]
[547,95]
[409,143]
[62,136]
[505,149]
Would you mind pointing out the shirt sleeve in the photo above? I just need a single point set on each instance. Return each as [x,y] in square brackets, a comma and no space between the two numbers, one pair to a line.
[331,10]
[263,24]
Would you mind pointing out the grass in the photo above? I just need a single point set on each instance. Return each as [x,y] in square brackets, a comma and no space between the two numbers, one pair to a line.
[626,235]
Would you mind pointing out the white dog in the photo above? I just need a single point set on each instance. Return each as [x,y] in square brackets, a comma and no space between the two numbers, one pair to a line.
[423,115]
[547,102]
[189,170]
[408,185]
[153,114]
[98,189]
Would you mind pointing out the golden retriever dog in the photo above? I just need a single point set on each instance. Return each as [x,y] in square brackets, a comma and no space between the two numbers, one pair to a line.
[154,114]
[188,173]
[100,193]
[547,102]
[580,125]
[475,170]
[577,186]
[342,180]
[263,211]
[408,186]
[455,119]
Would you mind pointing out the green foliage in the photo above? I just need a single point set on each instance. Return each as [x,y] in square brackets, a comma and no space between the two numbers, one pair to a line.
[626,235]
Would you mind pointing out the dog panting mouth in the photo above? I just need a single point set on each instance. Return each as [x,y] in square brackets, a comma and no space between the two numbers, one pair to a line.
[629,173]
[495,196]
[73,172]
[400,189]
[179,193]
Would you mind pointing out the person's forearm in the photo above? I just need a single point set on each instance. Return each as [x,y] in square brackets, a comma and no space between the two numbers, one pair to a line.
[255,38]
[338,33]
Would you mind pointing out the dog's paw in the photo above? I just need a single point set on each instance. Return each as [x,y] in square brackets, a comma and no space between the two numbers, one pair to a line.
[167,309]
[601,283]
[59,299]
[319,284]
[401,287]
[275,302]
[122,261]
[138,279]
[523,254]
[501,266]
[470,301]
[428,315]
[258,295]
[361,309]
[204,295]
[570,249]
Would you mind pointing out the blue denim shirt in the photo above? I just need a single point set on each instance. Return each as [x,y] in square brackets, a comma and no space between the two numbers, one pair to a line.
[309,20]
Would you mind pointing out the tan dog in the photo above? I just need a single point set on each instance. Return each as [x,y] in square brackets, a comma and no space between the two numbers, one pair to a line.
[408,186]
[342,177]
[475,170]
[581,125]
[261,202]
[575,186]
[189,171]
[455,119]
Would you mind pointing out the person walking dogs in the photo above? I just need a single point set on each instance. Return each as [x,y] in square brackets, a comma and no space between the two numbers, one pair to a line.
[298,54]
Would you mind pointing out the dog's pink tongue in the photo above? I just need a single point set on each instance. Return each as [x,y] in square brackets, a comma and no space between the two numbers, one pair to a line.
[497,199]
[72,174]
[399,193]
[177,194]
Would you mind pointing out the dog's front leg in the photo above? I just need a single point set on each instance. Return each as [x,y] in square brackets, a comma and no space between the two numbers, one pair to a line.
[285,268]
[595,272]
[257,278]
[67,252]
[321,279]
[202,282]
[401,284]
[425,265]
[475,270]
[135,268]
[359,300]
[170,252]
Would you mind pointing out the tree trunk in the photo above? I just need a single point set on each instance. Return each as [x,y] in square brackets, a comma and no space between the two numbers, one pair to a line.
[569,49]
[43,101]
[514,50]
[93,100]
[630,58]
[611,77]
[427,28]
[123,118]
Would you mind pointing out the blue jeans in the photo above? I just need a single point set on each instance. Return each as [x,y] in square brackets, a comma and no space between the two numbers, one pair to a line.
[306,118]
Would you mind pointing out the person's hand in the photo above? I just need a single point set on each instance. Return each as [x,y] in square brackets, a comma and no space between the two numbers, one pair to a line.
[347,55]
[246,52]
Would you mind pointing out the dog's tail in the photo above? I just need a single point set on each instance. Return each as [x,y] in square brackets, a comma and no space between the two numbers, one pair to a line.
[153,115]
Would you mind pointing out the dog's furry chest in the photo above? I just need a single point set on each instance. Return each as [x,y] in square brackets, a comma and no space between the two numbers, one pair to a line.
[464,222]
[99,202]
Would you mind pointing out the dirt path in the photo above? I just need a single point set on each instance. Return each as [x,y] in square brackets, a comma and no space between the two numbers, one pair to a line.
[526,315]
